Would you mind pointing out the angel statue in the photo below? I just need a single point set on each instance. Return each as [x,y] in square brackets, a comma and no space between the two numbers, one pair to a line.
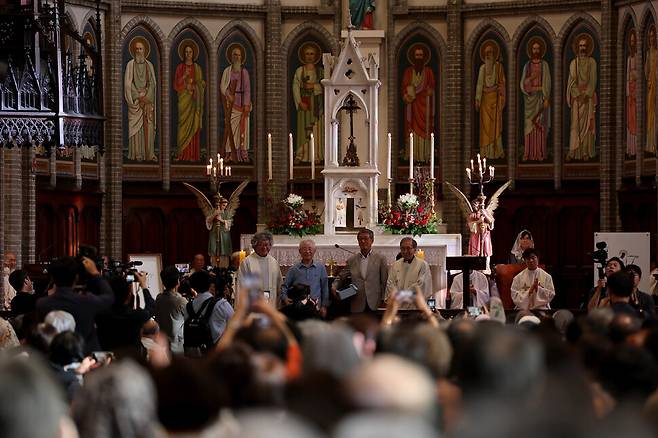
[480,219]
[218,221]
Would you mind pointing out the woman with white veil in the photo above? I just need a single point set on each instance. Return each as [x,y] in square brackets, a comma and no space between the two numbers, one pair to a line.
[523,241]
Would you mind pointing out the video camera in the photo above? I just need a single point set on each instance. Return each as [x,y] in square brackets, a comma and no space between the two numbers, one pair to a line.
[600,257]
[127,270]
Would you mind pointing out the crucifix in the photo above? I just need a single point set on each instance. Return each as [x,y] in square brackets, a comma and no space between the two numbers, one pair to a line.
[351,159]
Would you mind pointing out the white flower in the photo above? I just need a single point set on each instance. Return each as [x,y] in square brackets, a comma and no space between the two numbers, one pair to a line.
[408,201]
[294,201]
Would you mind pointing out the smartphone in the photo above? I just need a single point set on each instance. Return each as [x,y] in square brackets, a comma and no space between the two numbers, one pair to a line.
[183,268]
[103,357]
[431,303]
[266,295]
[474,311]
[130,278]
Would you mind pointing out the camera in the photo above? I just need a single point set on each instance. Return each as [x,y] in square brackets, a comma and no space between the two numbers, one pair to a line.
[183,268]
[126,270]
[431,303]
[600,257]
[474,311]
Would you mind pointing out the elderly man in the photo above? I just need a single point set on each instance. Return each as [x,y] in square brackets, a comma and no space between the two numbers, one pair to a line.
[533,287]
[409,271]
[310,273]
[368,272]
[479,289]
[262,266]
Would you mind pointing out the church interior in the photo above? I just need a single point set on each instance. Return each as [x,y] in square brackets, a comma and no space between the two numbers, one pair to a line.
[134,127]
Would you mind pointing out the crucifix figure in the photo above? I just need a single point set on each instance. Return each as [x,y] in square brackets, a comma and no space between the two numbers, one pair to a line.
[351,159]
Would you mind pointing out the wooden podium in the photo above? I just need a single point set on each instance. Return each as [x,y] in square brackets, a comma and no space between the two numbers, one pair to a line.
[466,264]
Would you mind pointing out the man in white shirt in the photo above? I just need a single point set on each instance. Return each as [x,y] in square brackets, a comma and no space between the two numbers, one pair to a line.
[479,288]
[533,287]
[409,271]
[262,266]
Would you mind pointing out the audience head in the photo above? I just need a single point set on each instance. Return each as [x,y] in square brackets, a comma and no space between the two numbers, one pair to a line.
[262,243]
[408,248]
[122,291]
[636,273]
[365,238]
[8,338]
[170,277]
[299,292]
[328,347]
[41,336]
[531,258]
[199,262]
[10,261]
[235,260]
[20,281]
[116,401]
[620,284]
[307,250]
[200,282]
[61,320]
[64,271]
[614,265]
[66,348]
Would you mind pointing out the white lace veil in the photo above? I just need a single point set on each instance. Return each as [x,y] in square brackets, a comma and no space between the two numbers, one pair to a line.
[516,248]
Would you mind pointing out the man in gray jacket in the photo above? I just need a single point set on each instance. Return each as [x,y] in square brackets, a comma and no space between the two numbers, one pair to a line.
[170,309]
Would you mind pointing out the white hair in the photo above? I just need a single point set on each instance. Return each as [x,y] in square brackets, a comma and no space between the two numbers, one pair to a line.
[61,320]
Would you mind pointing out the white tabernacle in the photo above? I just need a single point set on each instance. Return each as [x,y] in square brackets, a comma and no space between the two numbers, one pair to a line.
[436,247]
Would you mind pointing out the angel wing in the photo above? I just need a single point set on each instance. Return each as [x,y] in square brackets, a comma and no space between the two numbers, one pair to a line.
[234,200]
[464,203]
[204,204]
[493,202]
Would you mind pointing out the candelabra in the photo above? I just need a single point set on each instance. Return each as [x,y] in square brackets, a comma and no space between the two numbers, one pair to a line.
[217,173]
[481,176]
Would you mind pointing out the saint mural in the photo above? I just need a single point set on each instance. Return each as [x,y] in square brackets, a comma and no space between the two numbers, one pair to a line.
[631,95]
[235,91]
[490,100]
[139,86]
[418,91]
[651,76]
[308,97]
[582,100]
[361,12]
[190,87]
[536,89]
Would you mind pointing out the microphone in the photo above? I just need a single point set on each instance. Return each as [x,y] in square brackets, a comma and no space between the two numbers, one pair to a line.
[344,249]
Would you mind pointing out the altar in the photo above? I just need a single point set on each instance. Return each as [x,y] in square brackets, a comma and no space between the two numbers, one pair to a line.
[435,246]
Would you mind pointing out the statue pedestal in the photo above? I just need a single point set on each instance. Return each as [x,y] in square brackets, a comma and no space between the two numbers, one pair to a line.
[436,247]
[369,41]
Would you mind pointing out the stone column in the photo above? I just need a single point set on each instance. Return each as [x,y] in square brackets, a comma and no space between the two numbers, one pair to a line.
[13,202]
[29,213]
[608,194]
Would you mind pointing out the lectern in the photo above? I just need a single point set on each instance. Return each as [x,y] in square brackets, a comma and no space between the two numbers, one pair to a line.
[466,264]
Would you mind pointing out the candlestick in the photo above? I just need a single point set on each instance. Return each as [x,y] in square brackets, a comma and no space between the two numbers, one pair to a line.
[312,157]
[269,156]
[290,153]
[214,171]
[388,157]
[432,155]
[411,156]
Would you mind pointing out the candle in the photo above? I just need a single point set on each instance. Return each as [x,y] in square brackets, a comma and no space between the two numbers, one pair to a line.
[312,146]
[491,171]
[421,254]
[221,166]
[472,168]
[411,156]
[468,172]
[484,163]
[208,167]
[479,164]
[269,156]
[432,155]
[218,157]
[389,158]
[214,171]
[290,153]
[243,255]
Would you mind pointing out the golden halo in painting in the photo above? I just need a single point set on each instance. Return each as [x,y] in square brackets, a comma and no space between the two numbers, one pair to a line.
[229,52]
[427,53]
[145,43]
[588,40]
[313,45]
[494,45]
[542,46]
[191,43]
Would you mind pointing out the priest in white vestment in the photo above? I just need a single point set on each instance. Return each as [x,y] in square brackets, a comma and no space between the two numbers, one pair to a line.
[409,272]
[262,266]
[533,287]
[479,290]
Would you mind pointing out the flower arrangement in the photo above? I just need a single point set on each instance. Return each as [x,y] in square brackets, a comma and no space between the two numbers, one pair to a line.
[409,216]
[290,217]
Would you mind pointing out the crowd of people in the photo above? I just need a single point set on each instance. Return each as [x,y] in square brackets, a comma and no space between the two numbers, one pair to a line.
[248,352]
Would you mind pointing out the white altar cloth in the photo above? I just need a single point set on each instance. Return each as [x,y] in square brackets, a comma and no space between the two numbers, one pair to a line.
[436,247]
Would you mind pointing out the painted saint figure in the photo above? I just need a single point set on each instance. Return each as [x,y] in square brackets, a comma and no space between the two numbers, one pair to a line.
[361,12]
[651,76]
[536,89]
[191,87]
[418,96]
[490,100]
[308,96]
[582,99]
[631,96]
[235,89]
[139,86]
[340,213]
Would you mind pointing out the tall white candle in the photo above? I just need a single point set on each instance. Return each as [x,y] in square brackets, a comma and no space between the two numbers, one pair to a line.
[491,171]
[472,168]
[269,156]
[388,158]
[468,172]
[312,146]
[432,155]
[290,153]
[218,157]
[411,156]
[221,166]
[484,164]
[479,164]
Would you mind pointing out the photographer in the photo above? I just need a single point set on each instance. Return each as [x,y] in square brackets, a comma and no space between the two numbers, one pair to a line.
[170,309]
[302,306]
[120,326]
[83,306]
[594,297]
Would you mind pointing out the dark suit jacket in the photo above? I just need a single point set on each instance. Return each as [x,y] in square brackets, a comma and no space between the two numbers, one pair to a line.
[83,306]
[371,289]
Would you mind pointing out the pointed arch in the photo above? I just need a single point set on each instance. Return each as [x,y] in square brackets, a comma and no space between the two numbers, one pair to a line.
[147,23]
[196,26]
[529,24]
[647,18]
[249,33]
[307,28]
[90,17]
[572,23]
